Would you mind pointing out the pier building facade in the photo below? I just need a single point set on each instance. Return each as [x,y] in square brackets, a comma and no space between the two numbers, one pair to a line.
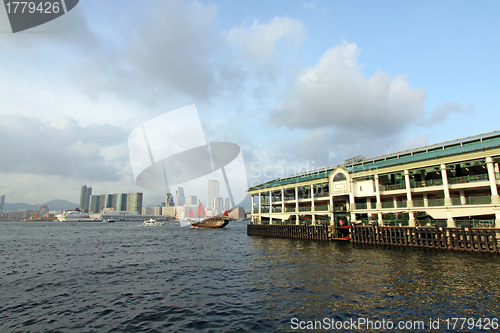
[451,182]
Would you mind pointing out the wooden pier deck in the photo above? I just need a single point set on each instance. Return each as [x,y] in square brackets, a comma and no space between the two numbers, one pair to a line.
[456,239]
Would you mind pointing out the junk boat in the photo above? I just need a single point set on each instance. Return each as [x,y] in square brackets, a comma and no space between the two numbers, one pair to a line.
[213,222]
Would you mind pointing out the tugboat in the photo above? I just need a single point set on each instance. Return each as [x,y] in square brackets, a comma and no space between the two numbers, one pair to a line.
[213,222]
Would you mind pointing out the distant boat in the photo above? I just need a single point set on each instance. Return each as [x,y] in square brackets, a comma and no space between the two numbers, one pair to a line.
[152,222]
[213,222]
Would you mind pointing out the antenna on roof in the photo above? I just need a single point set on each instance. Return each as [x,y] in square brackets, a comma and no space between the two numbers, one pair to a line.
[352,160]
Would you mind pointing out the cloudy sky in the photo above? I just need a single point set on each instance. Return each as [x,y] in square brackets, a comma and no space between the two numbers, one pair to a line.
[297,85]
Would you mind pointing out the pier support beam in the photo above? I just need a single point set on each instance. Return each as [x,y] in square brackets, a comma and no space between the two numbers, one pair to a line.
[411,220]
[409,200]
[377,192]
[495,198]
[446,188]
[450,222]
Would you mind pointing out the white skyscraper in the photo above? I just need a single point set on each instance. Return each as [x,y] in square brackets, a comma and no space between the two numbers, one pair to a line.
[212,193]
[180,200]
[218,205]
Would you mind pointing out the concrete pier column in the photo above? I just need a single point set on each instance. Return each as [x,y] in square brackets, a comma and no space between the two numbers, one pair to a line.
[313,219]
[380,220]
[495,199]
[271,202]
[377,191]
[282,201]
[352,206]
[296,200]
[331,204]
[426,200]
[411,219]
[253,203]
[395,201]
[497,218]
[270,220]
[450,222]
[297,222]
[462,197]
[332,219]
[409,200]
[260,204]
[312,198]
[446,187]
[369,203]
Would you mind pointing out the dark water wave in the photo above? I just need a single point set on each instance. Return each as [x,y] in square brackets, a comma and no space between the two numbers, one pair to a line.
[122,277]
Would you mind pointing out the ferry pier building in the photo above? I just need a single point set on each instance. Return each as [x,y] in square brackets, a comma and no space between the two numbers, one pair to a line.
[451,182]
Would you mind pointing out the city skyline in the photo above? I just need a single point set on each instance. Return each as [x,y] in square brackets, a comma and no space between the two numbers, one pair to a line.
[296,85]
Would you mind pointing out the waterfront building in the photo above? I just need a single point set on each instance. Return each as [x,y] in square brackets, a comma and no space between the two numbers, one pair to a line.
[134,202]
[2,202]
[212,193]
[94,204]
[192,200]
[451,182]
[102,202]
[218,205]
[85,194]
[170,200]
[226,203]
[109,201]
[121,202]
[180,200]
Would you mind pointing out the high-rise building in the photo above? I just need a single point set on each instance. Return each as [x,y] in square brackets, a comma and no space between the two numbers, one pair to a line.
[212,193]
[169,200]
[2,201]
[94,204]
[43,209]
[192,200]
[226,203]
[180,200]
[121,202]
[218,205]
[109,201]
[102,202]
[85,194]
[134,202]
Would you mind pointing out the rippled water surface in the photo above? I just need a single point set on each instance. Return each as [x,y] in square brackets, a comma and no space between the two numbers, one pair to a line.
[123,277]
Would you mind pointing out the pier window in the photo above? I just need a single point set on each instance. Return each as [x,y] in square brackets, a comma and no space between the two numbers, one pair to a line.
[289,193]
[392,181]
[430,176]
[321,190]
[466,172]
[304,192]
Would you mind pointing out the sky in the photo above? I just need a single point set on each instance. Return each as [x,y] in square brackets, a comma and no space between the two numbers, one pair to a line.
[296,85]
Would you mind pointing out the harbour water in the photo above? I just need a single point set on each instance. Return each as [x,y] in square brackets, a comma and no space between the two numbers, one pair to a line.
[123,277]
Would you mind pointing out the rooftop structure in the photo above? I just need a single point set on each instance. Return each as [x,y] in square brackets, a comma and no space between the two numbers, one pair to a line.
[452,181]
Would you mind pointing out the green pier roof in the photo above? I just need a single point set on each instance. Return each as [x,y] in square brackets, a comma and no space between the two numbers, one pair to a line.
[460,146]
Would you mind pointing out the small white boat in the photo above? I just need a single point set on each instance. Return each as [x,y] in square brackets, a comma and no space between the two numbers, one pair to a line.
[152,222]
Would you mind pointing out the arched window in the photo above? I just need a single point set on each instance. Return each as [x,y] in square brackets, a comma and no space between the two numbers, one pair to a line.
[338,177]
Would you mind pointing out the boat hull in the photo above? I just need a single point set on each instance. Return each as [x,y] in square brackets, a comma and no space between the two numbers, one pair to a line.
[211,224]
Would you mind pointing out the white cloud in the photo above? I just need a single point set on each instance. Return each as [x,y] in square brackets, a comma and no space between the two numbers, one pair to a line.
[310,5]
[33,147]
[443,111]
[258,41]
[335,93]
